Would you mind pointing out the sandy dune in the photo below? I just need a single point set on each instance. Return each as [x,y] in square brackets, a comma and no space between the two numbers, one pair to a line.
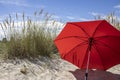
[55,69]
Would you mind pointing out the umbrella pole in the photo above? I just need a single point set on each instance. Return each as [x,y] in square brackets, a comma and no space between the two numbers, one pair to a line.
[86,73]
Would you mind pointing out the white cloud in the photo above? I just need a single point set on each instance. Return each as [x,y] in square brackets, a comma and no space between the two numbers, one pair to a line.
[0,18]
[84,19]
[56,17]
[117,6]
[15,2]
[20,3]
[78,18]
[95,14]
[70,17]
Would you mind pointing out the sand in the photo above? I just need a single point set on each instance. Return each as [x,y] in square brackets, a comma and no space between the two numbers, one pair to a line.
[47,69]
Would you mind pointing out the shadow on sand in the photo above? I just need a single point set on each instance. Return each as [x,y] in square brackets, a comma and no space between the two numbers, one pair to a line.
[95,75]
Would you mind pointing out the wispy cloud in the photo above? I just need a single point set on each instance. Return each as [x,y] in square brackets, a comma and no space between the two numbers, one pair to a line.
[85,19]
[95,14]
[20,3]
[117,6]
[15,2]
[77,18]
[70,17]
[56,17]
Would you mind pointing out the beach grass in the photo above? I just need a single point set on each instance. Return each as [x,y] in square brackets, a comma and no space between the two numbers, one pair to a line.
[27,37]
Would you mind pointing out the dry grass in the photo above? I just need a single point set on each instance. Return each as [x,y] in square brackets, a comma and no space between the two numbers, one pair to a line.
[29,37]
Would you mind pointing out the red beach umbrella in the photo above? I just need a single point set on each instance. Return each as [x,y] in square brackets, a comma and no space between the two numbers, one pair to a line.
[90,44]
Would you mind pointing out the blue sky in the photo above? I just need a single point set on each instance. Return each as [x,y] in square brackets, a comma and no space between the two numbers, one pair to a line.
[62,10]
[66,10]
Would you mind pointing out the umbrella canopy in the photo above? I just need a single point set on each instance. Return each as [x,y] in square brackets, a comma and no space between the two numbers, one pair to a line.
[99,37]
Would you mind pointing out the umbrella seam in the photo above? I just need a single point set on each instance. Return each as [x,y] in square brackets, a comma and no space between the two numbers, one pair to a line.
[81,28]
[97,28]
[70,37]
[112,49]
[83,43]
[108,36]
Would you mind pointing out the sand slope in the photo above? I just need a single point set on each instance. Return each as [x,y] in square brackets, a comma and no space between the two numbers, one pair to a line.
[47,69]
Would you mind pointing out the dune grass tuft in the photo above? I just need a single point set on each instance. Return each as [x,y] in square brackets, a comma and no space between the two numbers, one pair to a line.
[29,37]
